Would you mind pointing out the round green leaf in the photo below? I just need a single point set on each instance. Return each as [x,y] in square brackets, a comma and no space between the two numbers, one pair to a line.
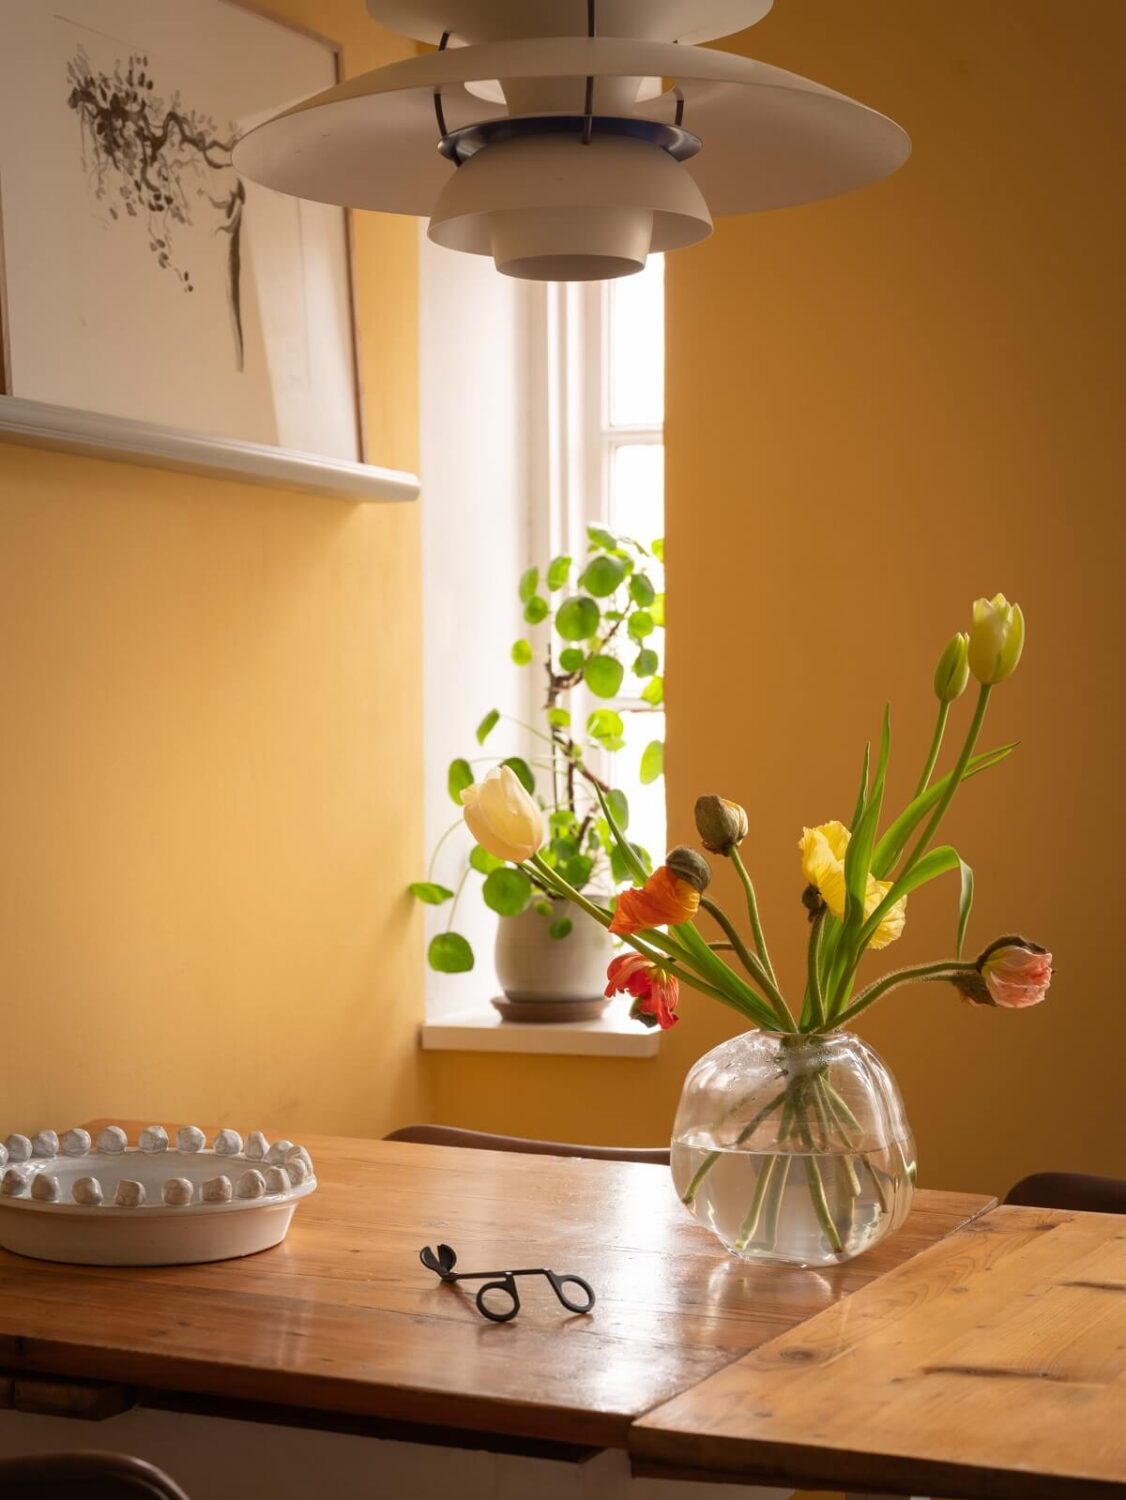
[646,664]
[482,861]
[621,871]
[603,675]
[522,653]
[559,718]
[523,772]
[658,549]
[641,624]
[605,727]
[571,660]
[529,582]
[536,609]
[558,573]
[654,691]
[449,953]
[619,806]
[507,892]
[431,894]
[577,870]
[459,776]
[657,610]
[652,762]
[602,576]
[543,908]
[487,725]
[641,591]
[599,537]
[577,619]
[561,928]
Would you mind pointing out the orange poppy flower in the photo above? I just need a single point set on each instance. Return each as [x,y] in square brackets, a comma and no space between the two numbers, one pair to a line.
[655,993]
[663,900]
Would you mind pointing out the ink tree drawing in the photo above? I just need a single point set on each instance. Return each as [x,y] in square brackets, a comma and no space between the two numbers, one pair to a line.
[161,163]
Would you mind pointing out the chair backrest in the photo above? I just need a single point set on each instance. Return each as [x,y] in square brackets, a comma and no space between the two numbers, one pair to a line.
[1076,1190]
[451,1135]
[85,1476]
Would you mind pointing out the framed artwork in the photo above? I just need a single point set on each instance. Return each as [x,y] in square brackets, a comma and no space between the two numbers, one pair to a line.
[152,301]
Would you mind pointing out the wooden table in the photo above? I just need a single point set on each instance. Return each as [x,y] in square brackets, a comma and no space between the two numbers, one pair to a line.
[991,1366]
[341,1321]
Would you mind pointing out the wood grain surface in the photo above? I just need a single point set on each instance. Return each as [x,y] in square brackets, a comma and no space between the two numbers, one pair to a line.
[990,1367]
[343,1319]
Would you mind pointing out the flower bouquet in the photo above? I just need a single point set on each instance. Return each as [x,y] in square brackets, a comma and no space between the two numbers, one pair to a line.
[791,1141]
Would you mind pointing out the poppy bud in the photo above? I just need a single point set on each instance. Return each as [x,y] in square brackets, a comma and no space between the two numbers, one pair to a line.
[721,824]
[687,865]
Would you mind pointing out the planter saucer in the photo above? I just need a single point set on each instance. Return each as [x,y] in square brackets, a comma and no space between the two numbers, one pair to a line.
[550,1012]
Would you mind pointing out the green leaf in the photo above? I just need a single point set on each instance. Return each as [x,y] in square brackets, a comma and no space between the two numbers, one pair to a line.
[602,576]
[487,725]
[543,908]
[619,805]
[641,624]
[562,927]
[641,591]
[571,660]
[558,573]
[654,691]
[529,582]
[522,653]
[536,609]
[559,718]
[459,776]
[605,724]
[637,866]
[482,861]
[603,675]
[652,762]
[577,870]
[965,903]
[657,610]
[433,895]
[600,537]
[858,857]
[507,892]
[658,549]
[577,618]
[891,845]
[647,663]
[523,772]
[631,863]
[449,953]
[562,821]
[862,794]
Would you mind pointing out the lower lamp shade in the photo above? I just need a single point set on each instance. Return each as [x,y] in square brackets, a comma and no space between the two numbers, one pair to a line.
[551,208]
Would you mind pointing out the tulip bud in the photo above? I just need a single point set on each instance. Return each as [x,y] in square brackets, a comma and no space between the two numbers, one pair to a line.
[996,639]
[953,670]
[686,864]
[722,825]
[502,817]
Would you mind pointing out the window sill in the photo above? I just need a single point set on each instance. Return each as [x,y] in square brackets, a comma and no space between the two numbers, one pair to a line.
[483,1030]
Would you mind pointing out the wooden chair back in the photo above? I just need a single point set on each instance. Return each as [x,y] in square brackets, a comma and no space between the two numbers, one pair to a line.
[452,1135]
[85,1476]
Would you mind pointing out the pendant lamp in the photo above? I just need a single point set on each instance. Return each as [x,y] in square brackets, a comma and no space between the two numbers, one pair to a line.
[569,139]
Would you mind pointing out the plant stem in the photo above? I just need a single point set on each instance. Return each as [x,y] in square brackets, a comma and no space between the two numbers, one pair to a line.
[744,1135]
[817,999]
[750,1223]
[457,896]
[936,746]
[751,964]
[936,971]
[452,829]
[752,911]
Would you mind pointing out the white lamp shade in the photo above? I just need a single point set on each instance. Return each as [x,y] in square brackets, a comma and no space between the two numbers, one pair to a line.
[550,208]
[504,20]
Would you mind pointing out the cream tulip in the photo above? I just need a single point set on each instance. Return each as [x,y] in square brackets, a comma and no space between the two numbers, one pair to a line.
[996,639]
[502,817]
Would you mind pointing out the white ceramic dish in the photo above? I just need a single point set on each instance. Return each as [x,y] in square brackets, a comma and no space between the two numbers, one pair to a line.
[153,1232]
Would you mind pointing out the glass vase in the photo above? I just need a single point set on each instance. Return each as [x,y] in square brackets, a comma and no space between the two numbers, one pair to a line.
[794,1148]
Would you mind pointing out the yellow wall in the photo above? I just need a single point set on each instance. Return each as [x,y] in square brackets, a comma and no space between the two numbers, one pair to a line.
[878,409]
[208,689]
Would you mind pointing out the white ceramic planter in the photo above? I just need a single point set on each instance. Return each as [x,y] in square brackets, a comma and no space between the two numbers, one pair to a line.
[535,968]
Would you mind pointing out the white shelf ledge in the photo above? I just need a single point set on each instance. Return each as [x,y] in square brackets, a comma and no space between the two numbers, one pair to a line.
[94,435]
[483,1030]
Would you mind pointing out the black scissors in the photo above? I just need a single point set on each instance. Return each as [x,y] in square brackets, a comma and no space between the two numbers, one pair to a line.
[442,1263]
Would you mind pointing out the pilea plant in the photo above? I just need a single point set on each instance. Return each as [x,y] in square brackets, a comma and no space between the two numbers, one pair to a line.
[595,631]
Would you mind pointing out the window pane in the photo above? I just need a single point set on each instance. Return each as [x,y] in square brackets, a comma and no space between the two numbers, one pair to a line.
[637,347]
[637,491]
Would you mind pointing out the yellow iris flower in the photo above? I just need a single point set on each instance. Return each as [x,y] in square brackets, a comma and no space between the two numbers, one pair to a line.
[823,854]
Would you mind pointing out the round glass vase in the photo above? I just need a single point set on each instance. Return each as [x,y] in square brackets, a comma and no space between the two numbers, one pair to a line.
[794,1148]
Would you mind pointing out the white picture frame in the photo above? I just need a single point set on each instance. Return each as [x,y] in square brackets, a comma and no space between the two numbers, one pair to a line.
[155,307]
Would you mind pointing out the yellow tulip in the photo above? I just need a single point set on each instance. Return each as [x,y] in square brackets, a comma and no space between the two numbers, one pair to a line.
[502,817]
[823,854]
[996,639]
